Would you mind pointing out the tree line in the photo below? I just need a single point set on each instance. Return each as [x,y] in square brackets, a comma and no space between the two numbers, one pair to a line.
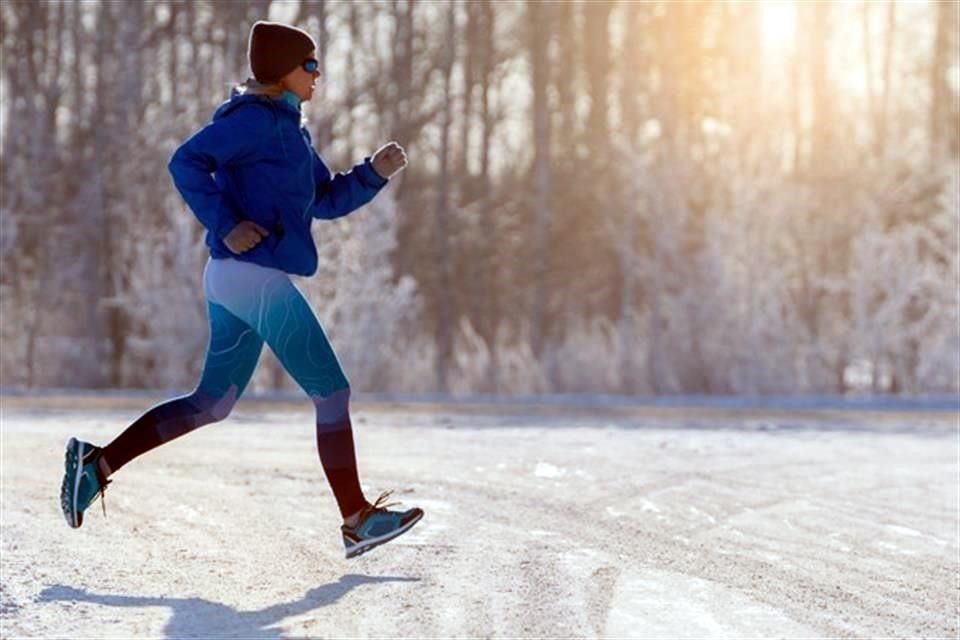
[630,197]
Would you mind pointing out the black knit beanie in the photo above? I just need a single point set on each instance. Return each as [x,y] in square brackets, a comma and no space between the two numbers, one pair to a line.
[276,49]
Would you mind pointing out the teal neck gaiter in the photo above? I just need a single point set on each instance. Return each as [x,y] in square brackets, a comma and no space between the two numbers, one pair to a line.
[291,98]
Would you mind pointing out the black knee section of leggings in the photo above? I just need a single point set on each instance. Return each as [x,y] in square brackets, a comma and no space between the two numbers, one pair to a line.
[165,422]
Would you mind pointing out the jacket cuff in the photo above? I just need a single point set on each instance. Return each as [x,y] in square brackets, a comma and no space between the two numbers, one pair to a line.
[225,225]
[370,175]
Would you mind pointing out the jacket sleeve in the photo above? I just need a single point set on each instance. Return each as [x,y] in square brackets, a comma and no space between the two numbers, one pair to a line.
[345,192]
[233,139]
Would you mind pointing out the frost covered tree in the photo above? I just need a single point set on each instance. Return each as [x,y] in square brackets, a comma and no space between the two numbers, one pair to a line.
[904,288]
[168,316]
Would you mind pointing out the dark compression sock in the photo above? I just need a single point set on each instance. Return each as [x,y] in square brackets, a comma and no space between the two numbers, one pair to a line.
[336,450]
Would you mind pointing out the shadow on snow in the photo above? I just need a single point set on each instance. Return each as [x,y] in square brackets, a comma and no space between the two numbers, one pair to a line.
[196,617]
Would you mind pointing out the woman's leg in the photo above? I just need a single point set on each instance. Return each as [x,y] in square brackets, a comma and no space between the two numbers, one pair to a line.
[232,355]
[269,302]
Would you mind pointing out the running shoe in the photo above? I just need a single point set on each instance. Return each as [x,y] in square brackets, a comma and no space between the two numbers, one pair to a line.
[82,481]
[378,525]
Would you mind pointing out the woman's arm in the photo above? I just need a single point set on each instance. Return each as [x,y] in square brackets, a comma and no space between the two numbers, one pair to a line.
[234,138]
[343,193]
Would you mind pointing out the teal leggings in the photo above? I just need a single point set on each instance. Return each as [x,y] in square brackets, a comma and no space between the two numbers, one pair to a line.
[248,305]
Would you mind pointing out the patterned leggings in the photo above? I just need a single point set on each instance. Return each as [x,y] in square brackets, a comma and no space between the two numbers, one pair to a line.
[248,305]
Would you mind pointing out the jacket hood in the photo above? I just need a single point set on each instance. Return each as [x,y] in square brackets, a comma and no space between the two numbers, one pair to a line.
[237,100]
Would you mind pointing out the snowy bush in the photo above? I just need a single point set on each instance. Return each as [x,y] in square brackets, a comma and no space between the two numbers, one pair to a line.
[519,371]
[753,339]
[410,365]
[938,366]
[903,288]
[166,303]
[508,367]
[596,356]
[472,362]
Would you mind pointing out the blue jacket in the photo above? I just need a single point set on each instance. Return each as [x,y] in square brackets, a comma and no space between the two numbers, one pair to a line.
[264,169]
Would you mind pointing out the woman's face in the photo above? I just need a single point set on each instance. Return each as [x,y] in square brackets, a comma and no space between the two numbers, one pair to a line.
[300,81]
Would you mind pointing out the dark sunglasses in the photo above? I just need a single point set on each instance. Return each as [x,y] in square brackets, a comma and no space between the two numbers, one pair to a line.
[310,65]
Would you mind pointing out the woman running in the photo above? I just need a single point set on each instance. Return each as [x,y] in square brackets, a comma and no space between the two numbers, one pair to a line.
[253,179]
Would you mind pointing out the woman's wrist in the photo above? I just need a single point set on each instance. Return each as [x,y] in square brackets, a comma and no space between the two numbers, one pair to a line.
[377,176]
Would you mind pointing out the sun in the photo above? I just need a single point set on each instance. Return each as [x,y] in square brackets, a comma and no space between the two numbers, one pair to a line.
[778,26]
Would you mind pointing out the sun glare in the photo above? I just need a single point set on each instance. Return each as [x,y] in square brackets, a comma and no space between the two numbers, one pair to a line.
[778,25]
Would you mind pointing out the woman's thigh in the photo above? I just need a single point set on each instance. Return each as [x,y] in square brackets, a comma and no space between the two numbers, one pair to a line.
[232,355]
[269,302]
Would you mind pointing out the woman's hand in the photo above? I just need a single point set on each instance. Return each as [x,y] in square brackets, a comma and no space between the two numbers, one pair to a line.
[389,159]
[245,236]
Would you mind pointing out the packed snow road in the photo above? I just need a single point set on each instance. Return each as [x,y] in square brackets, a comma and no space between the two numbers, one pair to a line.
[656,522]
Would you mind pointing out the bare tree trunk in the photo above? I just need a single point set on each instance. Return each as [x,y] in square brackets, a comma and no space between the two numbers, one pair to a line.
[489,318]
[46,41]
[113,324]
[821,127]
[440,233]
[939,90]
[469,64]
[882,118]
[539,25]
[199,71]
[77,99]
[796,106]
[565,79]
[878,104]
[630,79]
[625,241]
[235,49]
[403,74]
[352,83]
[32,245]
[872,104]
[596,53]
[324,127]
[174,60]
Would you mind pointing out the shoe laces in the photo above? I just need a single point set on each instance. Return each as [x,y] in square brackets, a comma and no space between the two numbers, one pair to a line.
[103,499]
[100,479]
[379,505]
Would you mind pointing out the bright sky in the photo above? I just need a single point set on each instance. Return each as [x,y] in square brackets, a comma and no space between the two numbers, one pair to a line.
[778,25]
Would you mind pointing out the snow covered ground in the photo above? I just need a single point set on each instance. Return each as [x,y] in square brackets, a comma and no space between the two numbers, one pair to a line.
[632,520]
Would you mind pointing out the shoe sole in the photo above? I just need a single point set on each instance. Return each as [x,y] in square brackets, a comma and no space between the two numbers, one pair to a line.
[366,545]
[73,518]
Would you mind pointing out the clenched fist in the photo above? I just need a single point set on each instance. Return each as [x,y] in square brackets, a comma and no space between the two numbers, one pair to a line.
[245,236]
[389,159]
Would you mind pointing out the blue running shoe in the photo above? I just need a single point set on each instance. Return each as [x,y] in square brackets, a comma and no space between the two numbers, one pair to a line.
[378,525]
[82,480]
